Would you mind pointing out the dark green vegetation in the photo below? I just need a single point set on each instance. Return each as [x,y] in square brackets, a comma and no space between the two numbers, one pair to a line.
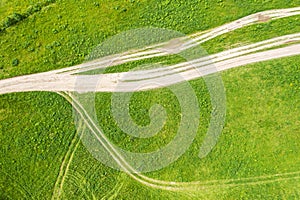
[18,17]
[37,133]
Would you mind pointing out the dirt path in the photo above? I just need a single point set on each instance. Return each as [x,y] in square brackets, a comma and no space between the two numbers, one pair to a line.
[64,80]
[165,76]
[64,168]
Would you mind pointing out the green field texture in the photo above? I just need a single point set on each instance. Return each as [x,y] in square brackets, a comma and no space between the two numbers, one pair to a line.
[249,146]
[39,139]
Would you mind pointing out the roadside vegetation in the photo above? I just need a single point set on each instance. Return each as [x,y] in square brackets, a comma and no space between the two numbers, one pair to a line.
[260,137]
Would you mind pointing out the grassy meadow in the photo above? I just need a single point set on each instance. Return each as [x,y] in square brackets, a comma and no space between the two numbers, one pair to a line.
[41,152]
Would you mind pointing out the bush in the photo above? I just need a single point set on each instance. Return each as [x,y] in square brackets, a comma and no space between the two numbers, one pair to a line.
[13,19]
[17,17]
[15,62]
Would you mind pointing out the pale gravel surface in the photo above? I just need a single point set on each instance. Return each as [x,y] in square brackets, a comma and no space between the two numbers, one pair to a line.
[133,80]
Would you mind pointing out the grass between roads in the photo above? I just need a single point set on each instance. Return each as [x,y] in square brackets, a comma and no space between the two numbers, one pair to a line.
[261,135]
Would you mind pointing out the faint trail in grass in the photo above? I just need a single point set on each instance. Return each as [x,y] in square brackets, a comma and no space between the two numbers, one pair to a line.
[81,183]
[169,185]
[64,168]
[256,181]
[69,162]
[115,191]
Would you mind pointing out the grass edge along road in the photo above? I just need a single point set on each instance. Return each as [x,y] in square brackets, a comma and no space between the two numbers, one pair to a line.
[245,21]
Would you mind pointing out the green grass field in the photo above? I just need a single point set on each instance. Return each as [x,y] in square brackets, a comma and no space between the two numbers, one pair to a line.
[42,153]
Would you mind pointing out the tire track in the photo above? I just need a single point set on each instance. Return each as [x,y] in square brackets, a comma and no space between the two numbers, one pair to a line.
[79,182]
[64,168]
[169,185]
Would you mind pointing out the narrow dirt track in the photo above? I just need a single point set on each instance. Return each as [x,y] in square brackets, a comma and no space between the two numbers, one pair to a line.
[170,185]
